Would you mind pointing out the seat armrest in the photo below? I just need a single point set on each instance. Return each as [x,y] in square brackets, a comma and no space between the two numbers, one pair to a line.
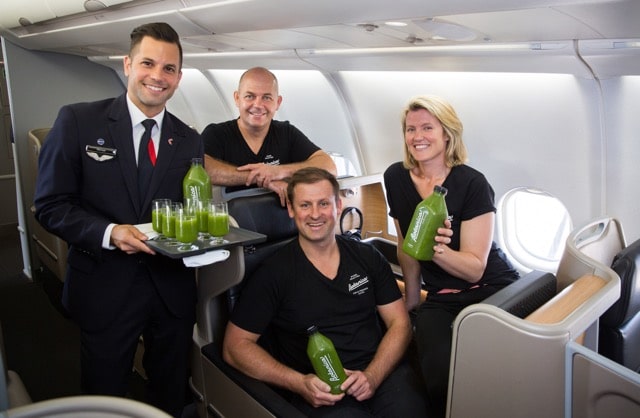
[526,294]
[265,394]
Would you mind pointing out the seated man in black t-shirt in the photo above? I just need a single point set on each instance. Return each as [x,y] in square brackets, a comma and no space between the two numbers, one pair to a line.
[255,150]
[345,288]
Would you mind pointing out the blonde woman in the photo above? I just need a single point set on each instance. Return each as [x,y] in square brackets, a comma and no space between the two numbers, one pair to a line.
[467,265]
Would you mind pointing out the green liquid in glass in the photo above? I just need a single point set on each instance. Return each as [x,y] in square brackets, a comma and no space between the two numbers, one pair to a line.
[156,220]
[169,226]
[203,221]
[186,229]
[218,225]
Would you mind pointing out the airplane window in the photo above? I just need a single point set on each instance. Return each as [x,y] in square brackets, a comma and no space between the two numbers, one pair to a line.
[531,228]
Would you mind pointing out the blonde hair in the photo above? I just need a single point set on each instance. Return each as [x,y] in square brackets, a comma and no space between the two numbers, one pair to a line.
[456,151]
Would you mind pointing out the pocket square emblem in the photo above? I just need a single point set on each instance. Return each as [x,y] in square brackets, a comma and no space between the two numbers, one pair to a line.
[100,153]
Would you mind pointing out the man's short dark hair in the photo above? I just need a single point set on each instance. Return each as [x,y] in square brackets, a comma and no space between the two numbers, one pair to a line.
[310,175]
[159,31]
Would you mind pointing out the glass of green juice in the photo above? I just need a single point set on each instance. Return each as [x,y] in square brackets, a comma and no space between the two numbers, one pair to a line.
[186,229]
[169,220]
[202,218]
[158,206]
[218,221]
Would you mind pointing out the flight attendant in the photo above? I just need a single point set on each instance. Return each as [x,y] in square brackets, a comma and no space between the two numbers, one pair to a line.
[101,166]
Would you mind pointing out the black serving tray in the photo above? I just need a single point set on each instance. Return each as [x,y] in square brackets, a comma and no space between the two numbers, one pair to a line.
[235,237]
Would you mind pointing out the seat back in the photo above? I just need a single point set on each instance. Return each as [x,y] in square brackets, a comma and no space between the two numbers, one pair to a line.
[598,387]
[595,243]
[219,284]
[51,250]
[499,360]
[531,228]
[260,213]
[12,390]
[217,385]
[87,407]
[619,338]
[4,390]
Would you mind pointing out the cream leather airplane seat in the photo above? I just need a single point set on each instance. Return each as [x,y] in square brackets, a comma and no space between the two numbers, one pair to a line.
[51,250]
[12,391]
[599,240]
[504,365]
[86,407]
[619,337]
[225,390]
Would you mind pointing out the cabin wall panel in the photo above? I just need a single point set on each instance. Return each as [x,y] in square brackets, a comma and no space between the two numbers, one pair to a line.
[39,84]
[226,82]
[197,101]
[538,130]
[622,101]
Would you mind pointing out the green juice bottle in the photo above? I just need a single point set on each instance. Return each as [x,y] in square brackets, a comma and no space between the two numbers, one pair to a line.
[325,360]
[428,216]
[196,183]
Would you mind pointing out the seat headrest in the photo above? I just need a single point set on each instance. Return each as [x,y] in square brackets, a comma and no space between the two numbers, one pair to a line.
[264,214]
[627,264]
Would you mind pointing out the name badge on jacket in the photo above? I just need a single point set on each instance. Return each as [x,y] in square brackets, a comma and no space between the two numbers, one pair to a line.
[100,153]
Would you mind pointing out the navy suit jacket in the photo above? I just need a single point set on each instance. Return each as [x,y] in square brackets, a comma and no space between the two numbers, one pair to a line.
[77,196]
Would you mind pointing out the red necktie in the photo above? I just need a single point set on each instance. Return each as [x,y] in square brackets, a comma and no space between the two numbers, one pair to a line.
[151,150]
[146,158]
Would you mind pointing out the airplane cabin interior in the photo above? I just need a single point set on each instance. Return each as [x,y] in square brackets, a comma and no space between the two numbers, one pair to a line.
[548,93]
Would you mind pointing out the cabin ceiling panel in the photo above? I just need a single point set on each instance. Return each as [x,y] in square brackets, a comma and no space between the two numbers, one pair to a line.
[359,37]
[274,60]
[315,30]
[448,59]
[618,20]
[13,10]
[226,43]
[336,36]
[35,11]
[252,15]
[524,25]
[607,57]
[63,8]
[263,41]
[103,32]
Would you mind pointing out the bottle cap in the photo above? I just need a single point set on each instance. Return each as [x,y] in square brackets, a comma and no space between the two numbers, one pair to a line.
[441,190]
[312,329]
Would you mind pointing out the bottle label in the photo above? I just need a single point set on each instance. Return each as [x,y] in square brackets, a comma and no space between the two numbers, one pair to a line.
[193,191]
[331,371]
[415,233]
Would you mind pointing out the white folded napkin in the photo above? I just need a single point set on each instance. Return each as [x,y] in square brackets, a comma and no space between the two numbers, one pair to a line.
[147,229]
[207,258]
